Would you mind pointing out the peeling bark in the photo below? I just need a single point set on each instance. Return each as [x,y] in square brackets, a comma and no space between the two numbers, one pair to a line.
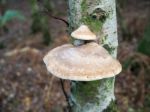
[100,16]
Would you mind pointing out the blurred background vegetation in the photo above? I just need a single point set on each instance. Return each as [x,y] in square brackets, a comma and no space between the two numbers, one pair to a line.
[30,28]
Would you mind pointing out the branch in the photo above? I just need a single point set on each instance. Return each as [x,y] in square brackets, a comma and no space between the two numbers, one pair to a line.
[52,16]
[66,96]
[47,12]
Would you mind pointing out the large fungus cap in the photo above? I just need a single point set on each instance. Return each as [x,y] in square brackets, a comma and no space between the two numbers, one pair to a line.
[83,63]
[83,33]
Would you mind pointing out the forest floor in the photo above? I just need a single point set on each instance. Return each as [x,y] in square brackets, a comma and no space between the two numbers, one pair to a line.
[25,84]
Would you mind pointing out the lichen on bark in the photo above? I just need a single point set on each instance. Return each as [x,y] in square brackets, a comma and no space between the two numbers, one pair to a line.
[100,16]
[92,96]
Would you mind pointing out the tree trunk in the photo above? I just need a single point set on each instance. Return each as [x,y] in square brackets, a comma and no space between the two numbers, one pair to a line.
[100,16]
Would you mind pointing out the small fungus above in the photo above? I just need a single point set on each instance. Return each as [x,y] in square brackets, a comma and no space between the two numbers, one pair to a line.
[83,33]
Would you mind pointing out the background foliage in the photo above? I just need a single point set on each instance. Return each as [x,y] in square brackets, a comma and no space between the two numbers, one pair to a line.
[29,29]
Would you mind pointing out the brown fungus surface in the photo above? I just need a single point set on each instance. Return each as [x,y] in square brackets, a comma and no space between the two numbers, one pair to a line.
[83,63]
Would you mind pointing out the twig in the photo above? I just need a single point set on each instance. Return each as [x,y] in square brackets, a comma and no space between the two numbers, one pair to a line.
[47,12]
[66,96]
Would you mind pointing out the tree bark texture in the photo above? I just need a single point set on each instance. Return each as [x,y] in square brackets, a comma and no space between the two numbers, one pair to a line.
[100,16]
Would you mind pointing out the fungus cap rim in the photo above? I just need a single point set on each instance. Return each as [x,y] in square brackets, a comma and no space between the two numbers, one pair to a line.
[79,67]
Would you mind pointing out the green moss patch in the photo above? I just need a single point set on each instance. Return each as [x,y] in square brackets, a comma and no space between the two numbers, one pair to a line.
[109,48]
[94,24]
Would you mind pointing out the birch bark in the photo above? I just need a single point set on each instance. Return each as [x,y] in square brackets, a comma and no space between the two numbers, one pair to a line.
[100,16]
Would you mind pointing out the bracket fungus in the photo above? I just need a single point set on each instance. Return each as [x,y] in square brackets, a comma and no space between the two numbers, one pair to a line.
[87,62]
